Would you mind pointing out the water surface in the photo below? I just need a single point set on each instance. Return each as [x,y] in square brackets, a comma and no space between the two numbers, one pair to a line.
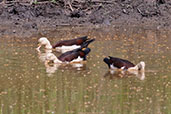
[29,87]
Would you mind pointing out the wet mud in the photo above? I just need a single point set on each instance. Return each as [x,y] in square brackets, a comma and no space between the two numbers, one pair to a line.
[23,19]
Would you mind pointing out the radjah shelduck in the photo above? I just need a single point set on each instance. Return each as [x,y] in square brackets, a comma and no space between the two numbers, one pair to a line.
[74,56]
[118,63]
[65,45]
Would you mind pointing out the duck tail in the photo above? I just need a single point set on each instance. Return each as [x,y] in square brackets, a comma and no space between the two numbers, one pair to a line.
[85,44]
[84,38]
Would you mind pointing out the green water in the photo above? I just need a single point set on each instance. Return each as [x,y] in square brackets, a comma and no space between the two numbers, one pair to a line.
[27,86]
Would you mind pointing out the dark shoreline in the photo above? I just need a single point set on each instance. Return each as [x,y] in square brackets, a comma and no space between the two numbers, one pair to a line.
[17,19]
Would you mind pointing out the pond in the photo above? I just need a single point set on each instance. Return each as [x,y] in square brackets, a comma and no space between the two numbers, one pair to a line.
[29,87]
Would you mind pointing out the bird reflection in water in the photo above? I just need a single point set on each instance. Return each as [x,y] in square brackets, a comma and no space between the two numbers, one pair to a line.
[121,74]
[52,67]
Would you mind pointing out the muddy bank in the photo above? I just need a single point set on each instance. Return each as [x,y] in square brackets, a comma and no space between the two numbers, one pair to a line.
[25,19]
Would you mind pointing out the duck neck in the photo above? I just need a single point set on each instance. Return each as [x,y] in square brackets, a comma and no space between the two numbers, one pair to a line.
[48,46]
[56,60]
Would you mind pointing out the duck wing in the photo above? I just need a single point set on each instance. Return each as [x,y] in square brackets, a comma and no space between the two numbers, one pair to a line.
[119,63]
[77,41]
[71,55]
[68,57]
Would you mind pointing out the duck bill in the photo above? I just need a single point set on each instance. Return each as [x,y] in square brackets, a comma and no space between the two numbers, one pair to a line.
[39,45]
[47,62]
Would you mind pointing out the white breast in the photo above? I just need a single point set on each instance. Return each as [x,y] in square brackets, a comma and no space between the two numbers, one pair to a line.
[113,67]
[79,59]
[64,49]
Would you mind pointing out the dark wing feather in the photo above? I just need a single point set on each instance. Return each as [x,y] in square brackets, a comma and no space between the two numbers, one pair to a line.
[86,43]
[121,62]
[77,41]
[67,57]
[71,55]
[69,52]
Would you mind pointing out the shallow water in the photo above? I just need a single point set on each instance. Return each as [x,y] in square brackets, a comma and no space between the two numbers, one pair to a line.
[29,87]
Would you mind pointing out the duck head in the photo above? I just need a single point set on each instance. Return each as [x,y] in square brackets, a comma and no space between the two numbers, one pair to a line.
[141,66]
[44,41]
[84,52]
[107,61]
